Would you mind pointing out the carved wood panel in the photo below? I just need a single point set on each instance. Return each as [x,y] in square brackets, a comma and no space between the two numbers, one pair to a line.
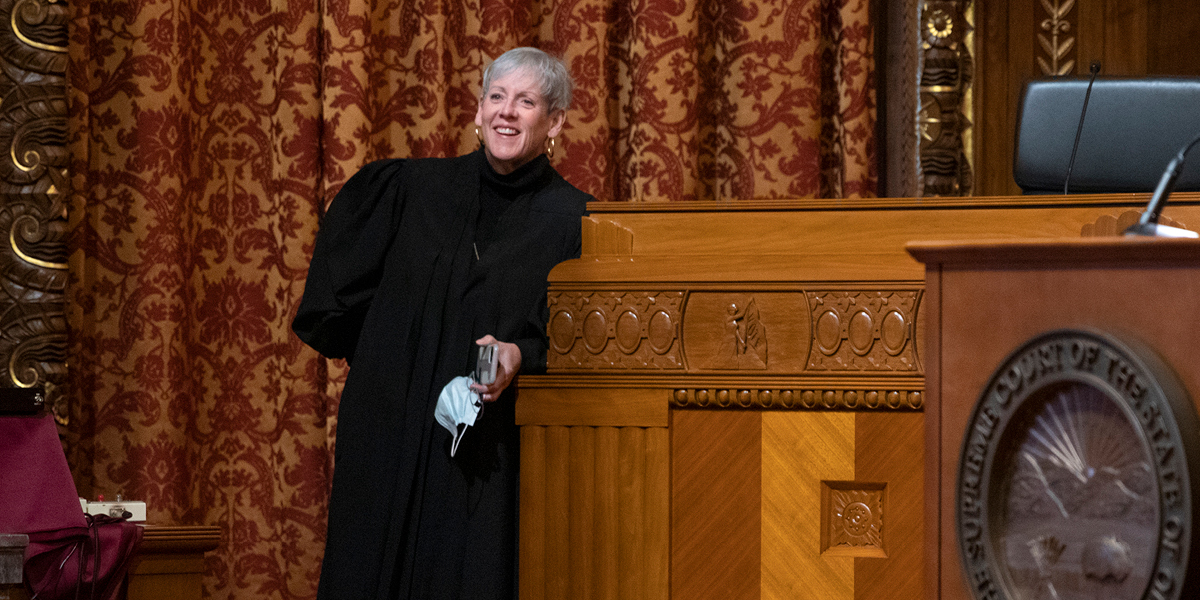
[852,518]
[864,331]
[821,332]
[33,132]
[609,330]
[898,397]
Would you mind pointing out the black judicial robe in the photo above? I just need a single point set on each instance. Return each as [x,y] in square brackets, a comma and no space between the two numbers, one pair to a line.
[395,286]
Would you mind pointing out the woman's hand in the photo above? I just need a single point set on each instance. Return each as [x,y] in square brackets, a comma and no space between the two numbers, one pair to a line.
[508,362]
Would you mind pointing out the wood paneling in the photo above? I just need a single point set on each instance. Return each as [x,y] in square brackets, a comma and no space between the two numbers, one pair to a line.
[802,450]
[705,243]
[1129,37]
[169,563]
[543,405]
[715,513]
[594,512]
[796,478]
[532,576]
[890,449]
[1173,28]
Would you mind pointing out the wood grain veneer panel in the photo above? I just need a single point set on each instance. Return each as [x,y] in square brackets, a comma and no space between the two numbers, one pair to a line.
[744,248]
[640,407]
[582,510]
[558,511]
[169,563]
[594,513]
[532,559]
[932,321]
[608,513]
[1125,41]
[1173,26]
[789,231]
[800,450]
[889,448]
[715,504]
[631,551]
[656,532]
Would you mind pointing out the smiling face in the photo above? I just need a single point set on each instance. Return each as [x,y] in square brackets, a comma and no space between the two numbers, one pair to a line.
[515,121]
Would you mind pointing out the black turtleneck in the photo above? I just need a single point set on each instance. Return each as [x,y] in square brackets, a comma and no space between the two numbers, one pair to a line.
[497,192]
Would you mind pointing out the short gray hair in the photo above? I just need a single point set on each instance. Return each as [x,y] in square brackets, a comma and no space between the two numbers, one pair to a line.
[550,71]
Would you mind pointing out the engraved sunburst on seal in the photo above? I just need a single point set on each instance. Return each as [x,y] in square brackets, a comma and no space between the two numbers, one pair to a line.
[1073,480]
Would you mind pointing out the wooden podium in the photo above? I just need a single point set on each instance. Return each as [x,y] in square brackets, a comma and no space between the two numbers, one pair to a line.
[170,562]
[735,406]
[984,300]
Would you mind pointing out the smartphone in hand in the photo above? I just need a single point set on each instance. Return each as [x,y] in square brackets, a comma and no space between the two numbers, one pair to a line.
[485,365]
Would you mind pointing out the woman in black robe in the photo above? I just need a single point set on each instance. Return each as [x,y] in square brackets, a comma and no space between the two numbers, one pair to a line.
[417,262]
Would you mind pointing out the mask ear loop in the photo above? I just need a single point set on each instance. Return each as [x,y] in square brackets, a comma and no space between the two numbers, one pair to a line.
[458,436]
[479,403]
[461,428]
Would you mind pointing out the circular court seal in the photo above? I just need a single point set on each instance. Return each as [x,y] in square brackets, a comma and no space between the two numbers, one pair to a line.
[1074,481]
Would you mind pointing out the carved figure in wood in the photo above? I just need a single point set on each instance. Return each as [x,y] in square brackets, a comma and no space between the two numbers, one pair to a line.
[745,343]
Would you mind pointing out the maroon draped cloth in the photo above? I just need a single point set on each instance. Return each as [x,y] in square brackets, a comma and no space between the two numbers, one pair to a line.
[70,555]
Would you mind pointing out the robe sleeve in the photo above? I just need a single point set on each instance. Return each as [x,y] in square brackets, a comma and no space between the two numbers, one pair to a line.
[352,244]
[533,355]
[533,342]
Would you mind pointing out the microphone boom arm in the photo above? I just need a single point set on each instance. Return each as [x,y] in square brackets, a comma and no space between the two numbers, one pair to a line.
[1148,223]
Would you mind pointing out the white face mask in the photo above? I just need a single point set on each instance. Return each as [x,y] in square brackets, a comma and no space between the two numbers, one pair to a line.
[457,409]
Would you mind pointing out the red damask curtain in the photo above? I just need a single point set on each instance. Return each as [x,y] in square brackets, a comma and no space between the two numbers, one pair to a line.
[206,137]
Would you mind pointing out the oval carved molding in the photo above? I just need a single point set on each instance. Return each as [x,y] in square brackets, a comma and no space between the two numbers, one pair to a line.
[748,332]
[864,331]
[614,330]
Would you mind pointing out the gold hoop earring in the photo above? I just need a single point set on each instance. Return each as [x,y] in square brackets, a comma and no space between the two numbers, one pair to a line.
[479,136]
[550,148]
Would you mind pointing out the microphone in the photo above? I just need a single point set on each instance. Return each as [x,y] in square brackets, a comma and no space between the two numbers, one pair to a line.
[1095,70]
[1148,223]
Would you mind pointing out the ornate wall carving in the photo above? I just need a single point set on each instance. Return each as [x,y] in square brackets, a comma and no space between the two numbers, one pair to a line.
[811,398]
[819,332]
[746,332]
[863,331]
[944,94]
[608,330]
[852,519]
[1056,39]
[33,269]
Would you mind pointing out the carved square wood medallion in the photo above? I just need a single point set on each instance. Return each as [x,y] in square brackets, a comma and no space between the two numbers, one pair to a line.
[852,518]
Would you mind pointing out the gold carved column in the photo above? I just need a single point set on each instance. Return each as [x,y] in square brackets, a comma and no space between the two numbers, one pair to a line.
[944,120]
[33,131]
